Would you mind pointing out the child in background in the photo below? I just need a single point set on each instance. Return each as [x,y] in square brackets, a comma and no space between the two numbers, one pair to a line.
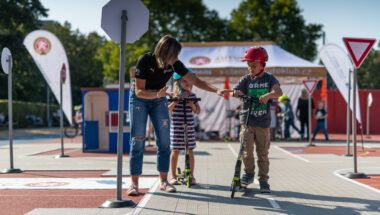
[182,89]
[320,115]
[288,116]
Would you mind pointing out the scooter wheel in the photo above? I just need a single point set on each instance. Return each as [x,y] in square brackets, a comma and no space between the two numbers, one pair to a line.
[178,171]
[233,189]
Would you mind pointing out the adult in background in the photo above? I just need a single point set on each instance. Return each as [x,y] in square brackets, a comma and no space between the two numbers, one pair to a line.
[148,97]
[302,112]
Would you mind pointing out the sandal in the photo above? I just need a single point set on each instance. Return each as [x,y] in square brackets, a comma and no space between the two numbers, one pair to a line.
[174,181]
[167,187]
[133,190]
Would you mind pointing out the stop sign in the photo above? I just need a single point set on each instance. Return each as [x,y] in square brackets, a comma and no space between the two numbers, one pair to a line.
[137,23]
[63,74]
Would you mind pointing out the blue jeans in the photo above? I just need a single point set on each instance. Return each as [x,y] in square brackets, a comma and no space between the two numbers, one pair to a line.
[157,109]
[320,125]
[289,123]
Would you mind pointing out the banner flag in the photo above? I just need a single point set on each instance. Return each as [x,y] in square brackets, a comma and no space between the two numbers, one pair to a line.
[49,56]
[338,65]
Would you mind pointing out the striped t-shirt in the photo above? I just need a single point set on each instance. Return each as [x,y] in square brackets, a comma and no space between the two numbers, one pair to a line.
[177,131]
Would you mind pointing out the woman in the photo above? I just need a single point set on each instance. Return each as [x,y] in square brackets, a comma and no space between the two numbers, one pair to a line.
[148,97]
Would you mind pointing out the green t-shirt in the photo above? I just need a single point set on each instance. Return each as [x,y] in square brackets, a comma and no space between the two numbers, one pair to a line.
[256,87]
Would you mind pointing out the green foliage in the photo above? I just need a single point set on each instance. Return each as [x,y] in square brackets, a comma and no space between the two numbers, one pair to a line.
[22,109]
[17,19]
[85,68]
[275,20]
[368,73]
[187,20]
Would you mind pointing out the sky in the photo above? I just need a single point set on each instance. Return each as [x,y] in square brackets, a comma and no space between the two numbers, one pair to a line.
[340,18]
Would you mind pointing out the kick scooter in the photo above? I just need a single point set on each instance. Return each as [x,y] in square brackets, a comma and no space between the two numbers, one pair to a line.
[236,179]
[186,175]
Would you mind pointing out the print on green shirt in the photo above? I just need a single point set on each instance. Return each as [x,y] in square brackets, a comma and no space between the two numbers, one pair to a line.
[258,93]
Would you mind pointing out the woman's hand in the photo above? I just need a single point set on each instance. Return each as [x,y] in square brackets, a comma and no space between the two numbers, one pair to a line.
[162,92]
[222,92]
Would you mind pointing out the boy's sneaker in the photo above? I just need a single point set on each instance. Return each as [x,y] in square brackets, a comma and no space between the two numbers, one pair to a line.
[264,187]
[133,190]
[246,179]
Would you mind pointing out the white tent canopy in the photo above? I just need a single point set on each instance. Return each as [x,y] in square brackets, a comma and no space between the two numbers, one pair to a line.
[224,59]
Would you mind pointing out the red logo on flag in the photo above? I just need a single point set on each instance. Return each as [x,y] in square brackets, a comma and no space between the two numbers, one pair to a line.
[42,45]
[201,60]
[358,48]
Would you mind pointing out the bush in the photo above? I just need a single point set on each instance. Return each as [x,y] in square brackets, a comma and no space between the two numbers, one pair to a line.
[22,109]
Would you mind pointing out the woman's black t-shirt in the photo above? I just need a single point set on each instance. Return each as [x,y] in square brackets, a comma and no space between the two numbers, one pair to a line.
[156,78]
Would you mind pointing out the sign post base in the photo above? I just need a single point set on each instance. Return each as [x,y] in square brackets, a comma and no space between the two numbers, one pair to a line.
[114,203]
[11,171]
[352,175]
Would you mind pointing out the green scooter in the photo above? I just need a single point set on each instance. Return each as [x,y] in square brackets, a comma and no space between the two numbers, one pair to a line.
[186,175]
[236,179]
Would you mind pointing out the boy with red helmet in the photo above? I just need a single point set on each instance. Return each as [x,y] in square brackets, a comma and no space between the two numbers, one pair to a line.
[264,86]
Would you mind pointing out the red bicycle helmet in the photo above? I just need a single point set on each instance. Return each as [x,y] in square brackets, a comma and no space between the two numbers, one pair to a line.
[256,54]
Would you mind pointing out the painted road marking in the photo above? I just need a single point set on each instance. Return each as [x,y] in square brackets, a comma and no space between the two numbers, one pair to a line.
[145,199]
[271,201]
[71,183]
[336,173]
[291,154]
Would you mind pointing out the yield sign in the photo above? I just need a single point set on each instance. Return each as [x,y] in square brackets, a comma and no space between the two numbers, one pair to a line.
[310,85]
[358,48]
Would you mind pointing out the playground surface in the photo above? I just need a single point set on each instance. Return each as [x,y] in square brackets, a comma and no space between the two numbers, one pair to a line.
[308,182]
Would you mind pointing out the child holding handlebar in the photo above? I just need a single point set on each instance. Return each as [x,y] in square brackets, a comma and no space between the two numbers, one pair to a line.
[182,89]
[264,86]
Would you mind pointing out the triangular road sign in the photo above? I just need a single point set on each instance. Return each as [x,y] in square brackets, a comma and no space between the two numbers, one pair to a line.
[310,85]
[358,48]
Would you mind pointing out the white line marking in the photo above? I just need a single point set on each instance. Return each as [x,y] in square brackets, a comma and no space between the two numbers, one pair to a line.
[355,182]
[273,203]
[291,154]
[145,199]
[232,150]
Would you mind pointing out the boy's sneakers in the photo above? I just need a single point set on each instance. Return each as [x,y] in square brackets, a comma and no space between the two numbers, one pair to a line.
[264,187]
[167,187]
[133,190]
[246,179]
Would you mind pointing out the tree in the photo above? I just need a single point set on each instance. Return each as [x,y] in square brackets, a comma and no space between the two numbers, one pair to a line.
[187,20]
[17,19]
[85,69]
[279,21]
[368,73]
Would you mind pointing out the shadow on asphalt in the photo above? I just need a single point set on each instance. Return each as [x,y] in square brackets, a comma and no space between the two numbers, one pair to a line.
[325,204]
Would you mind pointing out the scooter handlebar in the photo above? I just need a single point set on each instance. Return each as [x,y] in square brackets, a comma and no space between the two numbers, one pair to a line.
[183,99]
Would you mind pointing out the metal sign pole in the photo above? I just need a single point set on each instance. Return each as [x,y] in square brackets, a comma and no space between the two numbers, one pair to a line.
[348,114]
[119,202]
[367,118]
[121,105]
[355,174]
[10,118]
[309,122]
[354,122]
[61,118]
